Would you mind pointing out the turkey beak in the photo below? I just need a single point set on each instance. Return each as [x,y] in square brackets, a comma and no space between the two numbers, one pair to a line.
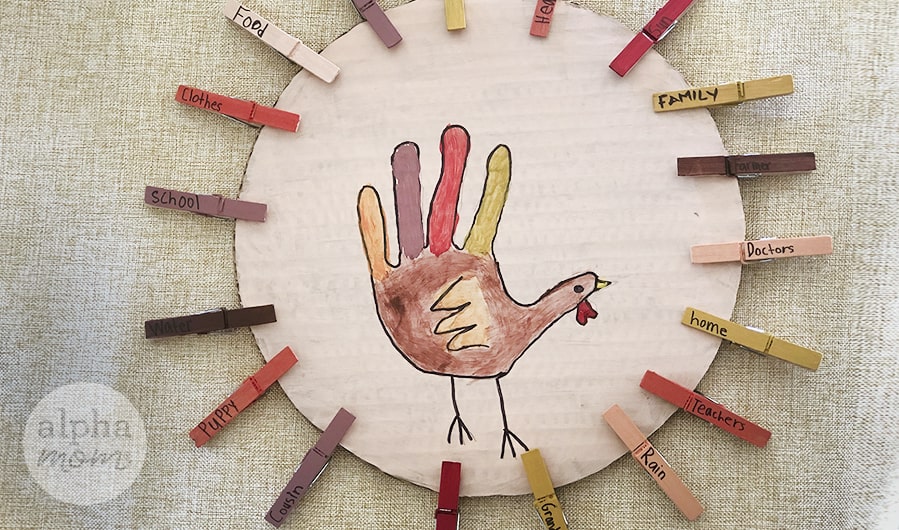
[601,284]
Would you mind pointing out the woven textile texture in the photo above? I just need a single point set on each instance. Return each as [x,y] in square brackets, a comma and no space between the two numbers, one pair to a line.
[87,119]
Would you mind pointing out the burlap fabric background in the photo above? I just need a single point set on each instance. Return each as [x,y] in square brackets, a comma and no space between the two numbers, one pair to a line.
[88,119]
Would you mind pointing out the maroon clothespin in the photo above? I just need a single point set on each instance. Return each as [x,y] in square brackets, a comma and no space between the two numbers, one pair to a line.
[745,165]
[248,112]
[447,513]
[703,407]
[310,468]
[211,205]
[377,19]
[248,392]
[214,320]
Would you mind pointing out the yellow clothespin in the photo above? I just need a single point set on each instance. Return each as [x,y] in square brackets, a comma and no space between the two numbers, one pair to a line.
[751,338]
[729,94]
[455,14]
[545,501]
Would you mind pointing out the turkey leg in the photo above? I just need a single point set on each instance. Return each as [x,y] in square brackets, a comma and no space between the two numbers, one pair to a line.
[457,422]
[509,437]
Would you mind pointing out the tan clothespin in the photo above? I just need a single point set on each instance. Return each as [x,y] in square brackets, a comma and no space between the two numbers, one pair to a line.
[729,94]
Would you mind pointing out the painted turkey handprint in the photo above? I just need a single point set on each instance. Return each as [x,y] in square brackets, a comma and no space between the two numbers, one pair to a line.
[446,309]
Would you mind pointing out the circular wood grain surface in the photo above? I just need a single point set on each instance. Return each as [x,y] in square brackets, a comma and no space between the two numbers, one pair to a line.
[593,188]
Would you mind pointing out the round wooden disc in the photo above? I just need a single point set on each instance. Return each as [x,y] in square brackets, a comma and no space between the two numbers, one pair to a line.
[594,187]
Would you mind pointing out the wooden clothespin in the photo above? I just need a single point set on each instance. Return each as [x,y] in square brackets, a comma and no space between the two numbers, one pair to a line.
[284,43]
[653,462]
[703,407]
[242,110]
[543,17]
[455,14]
[730,94]
[545,501]
[248,392]
[745,165]
[377,19]
[447,512]
[210,205]
[762,249]
[751,338]
[655,30]
[213,320]
[310,468]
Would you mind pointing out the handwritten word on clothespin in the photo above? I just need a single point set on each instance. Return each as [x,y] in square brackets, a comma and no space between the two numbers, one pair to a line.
[455,14]
[248,112]
[384,29]
[447,513]
[248,392]
[545,501]
[543,17]
[310,468]
[703,407]
[213,320]
[284,43]
[745,165]
[653,462]
[655,30]
[751,338]
[730,94]
[762,249]
[211,205]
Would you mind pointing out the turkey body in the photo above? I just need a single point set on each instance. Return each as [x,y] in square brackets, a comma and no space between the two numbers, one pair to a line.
[451,314]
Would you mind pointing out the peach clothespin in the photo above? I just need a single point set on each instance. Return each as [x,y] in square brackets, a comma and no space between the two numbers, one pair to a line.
[455,14]
[211,205]
[751,338]
[745,165]
[762,249]
[543,17]
[545,500]
[212,320]
[242,110]
[311,468]
[729,94]
[248,392]
[653,462]
[284,43]
[377,19]
[705,408]
[447,512]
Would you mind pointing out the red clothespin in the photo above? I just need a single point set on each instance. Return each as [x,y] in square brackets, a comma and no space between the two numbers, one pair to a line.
[311,467]
[543,17]
[703,407]
[211,205]
[447,513]
[248,392]
[658,27]
[214,320]
[248,112]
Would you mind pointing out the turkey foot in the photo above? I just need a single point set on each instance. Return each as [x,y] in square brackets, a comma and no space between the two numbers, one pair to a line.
[509,437]
[457,420]
[460,426]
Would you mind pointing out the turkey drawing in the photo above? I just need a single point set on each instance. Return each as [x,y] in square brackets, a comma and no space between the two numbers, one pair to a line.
[446,309]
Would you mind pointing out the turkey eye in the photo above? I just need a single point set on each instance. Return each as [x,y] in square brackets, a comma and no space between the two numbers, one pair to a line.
[578,288]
